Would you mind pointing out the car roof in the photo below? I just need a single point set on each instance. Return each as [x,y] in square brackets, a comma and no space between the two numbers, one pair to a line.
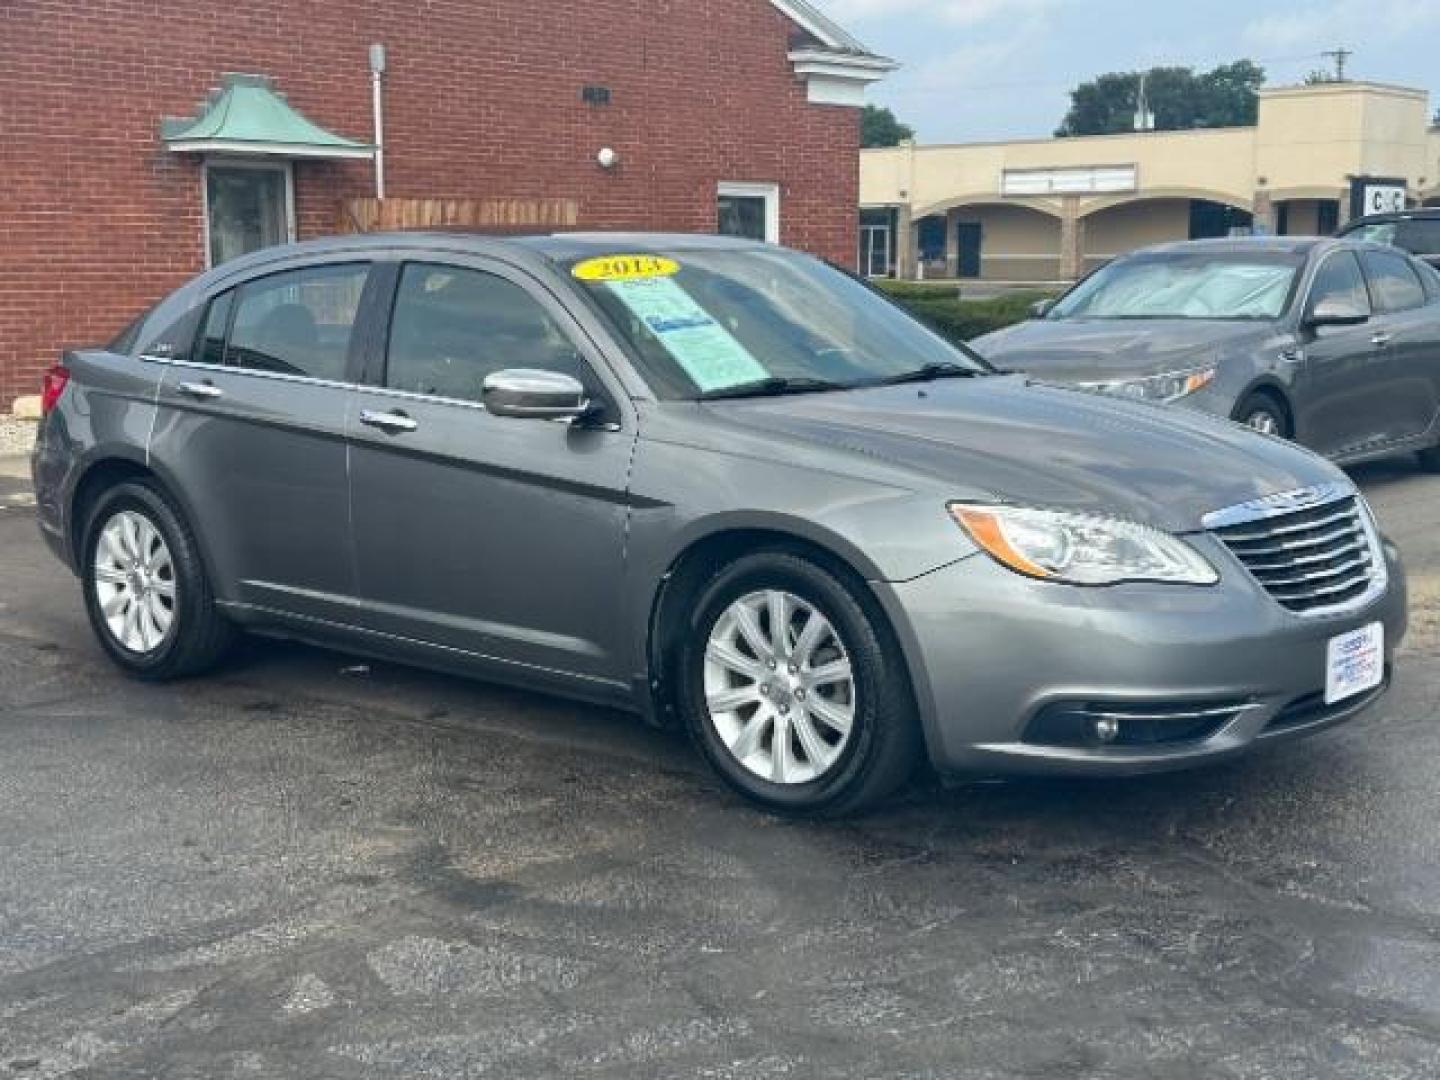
[555,246]
[1302,246]
[1419,213]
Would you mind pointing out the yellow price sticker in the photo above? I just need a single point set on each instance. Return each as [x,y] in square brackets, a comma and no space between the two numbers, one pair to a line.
[625,268]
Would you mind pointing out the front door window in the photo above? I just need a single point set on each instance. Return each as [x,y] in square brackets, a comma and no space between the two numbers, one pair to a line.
[248,208]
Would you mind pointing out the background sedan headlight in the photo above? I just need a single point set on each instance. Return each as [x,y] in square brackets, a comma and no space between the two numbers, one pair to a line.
[1081,549]
[1171,386]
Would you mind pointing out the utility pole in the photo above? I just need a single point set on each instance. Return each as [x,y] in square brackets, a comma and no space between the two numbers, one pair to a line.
[1340,56]
[1144,118]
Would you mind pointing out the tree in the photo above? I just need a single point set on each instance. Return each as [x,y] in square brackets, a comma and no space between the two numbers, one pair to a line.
[1178,97]
[878,127]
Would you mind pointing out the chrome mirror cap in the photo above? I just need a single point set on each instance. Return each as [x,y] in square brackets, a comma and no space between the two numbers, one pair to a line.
[527,393]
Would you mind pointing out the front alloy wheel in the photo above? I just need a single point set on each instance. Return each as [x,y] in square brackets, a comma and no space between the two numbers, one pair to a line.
[779,687]
[791,684]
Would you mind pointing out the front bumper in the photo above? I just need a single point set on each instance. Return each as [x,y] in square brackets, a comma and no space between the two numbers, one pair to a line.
[992,653]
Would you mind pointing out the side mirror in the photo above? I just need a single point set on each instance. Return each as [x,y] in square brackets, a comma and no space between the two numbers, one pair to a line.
[1332,311]
[1041,308]
[528,394]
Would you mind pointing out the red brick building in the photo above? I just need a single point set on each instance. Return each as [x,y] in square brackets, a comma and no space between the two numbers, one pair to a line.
[127,167]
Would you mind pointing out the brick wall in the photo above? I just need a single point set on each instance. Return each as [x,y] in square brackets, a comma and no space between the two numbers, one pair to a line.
[98,219]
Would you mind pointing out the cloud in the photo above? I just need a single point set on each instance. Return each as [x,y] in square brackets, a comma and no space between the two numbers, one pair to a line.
[951,12]
[1350,23]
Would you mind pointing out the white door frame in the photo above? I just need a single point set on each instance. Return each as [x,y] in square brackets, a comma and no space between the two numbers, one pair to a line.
[221,161]
[770,192]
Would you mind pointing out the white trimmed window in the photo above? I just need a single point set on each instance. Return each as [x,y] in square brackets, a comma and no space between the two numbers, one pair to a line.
[749,210]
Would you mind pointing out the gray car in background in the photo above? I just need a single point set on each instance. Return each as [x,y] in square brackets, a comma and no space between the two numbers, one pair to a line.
[719,484]
[1332,343]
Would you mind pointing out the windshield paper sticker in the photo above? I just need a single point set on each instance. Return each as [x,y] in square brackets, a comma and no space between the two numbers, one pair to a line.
[708,352]
[625,268]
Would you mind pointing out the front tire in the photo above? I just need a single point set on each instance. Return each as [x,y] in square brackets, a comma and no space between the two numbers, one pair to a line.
[1264,413]
[793,691]
[146,591]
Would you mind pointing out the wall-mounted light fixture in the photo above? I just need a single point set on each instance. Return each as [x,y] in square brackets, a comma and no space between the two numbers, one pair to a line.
[607,158]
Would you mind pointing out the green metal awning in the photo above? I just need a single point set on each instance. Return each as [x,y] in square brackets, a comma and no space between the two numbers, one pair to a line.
[248,116]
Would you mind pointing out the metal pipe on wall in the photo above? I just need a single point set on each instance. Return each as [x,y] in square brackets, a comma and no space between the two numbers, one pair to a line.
[377,77]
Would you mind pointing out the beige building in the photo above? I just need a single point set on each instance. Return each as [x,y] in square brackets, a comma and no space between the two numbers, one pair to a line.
[1052,209]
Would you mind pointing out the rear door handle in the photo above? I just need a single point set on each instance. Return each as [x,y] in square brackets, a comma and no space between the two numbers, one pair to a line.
[203,390]
[387,421]
[1380,340]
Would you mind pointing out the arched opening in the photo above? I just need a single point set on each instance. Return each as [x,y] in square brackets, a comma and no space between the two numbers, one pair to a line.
[1124,226]
[990,241]
[1307,217]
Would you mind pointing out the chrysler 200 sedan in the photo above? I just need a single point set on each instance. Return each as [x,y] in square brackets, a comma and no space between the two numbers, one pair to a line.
[1333,343]
[717,483]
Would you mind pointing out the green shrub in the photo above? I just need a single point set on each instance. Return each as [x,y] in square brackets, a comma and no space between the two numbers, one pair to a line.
[943,308]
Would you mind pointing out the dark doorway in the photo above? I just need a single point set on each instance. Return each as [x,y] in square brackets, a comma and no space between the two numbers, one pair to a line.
[1211,219]
[969,237]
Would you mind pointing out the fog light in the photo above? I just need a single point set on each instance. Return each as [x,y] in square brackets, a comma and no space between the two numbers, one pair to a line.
[1107,729]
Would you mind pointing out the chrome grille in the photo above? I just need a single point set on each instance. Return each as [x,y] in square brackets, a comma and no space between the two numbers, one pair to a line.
[1310,560]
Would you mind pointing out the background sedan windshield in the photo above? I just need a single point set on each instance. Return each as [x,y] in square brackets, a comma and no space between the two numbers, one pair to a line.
[1184,286]
[711,321]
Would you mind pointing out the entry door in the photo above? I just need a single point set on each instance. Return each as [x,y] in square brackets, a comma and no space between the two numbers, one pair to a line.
[875,251]
[499,538]
[248,206]
[251,425]
[970,238]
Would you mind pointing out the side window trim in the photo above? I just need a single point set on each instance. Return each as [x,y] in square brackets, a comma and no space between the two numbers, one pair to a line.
[376,376]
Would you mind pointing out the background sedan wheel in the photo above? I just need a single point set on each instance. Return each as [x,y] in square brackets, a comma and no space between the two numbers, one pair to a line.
[135,581]
[1263,413]
[146,590]
[793,686]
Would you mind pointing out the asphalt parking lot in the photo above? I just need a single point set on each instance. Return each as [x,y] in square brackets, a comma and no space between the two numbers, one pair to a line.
[293,869]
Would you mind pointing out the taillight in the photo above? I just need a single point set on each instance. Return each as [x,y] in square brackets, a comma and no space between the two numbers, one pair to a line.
[52,386]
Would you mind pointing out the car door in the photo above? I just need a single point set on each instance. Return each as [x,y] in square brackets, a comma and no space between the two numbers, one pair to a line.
[251,430]
[1407,344]
[1341,396]
[497,537]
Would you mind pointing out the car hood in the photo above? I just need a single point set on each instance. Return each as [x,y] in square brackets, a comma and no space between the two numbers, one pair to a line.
[1008,439]
[1099,350]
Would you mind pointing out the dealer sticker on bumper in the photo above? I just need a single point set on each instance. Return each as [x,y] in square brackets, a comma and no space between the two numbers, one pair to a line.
[1354,662]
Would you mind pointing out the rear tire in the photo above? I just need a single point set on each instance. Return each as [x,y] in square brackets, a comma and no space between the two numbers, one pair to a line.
[817,723]
[146,591]
[1264,412]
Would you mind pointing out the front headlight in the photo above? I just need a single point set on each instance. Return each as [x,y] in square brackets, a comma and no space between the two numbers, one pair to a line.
[1171,386]
[1081,549]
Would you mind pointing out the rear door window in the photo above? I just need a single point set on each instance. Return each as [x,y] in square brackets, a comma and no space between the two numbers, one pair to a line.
[299,322]
[1396,287]
[1420,236]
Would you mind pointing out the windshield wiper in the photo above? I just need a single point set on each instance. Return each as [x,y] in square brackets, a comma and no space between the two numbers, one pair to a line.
[772,387]
[931,372]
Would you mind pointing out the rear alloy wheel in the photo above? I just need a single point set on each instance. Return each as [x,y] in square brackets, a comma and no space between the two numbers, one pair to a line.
[1262,413]
[146,591]
[792,690]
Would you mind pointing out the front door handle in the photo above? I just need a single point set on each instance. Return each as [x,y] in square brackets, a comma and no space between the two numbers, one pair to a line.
[388,421]
[1380,340]
[203,390]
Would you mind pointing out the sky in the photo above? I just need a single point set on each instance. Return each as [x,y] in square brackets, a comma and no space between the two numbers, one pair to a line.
[975,70]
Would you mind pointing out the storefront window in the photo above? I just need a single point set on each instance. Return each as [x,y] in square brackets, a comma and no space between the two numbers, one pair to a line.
[247,208]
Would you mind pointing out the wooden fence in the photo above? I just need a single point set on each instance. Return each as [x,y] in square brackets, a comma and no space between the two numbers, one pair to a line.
[498,214]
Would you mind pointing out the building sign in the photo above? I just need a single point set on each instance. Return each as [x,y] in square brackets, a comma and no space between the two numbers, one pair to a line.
[1082,180]
[1376,195]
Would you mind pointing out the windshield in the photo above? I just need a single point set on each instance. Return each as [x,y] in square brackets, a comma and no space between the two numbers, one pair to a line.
[1173,285]
[711,323]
